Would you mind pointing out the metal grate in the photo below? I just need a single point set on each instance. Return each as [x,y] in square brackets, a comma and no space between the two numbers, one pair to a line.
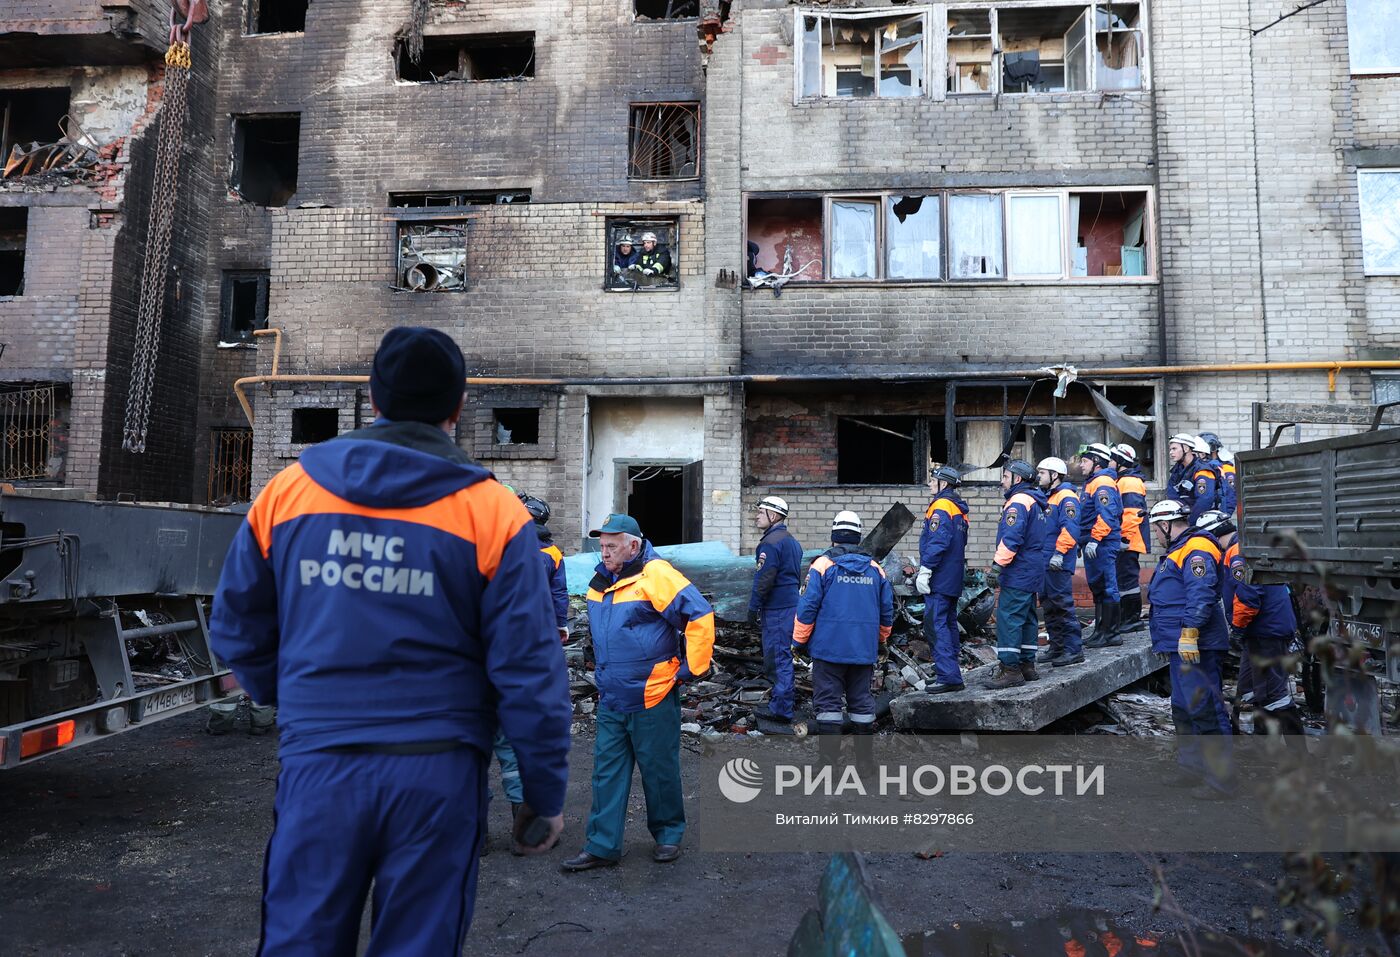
[664,141]
[230,466]
[26,432]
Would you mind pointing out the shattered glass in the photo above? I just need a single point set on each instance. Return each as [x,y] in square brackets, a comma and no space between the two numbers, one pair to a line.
[913,234]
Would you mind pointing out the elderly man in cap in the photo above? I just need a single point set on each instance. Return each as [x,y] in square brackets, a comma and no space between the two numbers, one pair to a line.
[773,602]
[386,593]
[651,630]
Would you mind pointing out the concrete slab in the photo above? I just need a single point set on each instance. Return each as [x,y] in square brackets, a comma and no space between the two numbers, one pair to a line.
[1033,705]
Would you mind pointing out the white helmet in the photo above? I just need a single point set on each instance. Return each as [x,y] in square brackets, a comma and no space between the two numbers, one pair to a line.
[1097,450]
[1200,446]
[1168,510]
[1227,456]
[1053,464]
[649,237]
[847,522]
[1184,439]
[1125,453]
[773,504]
[1216,522]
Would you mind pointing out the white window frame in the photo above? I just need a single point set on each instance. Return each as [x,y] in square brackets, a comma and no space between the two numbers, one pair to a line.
[1364,71]
[1008,200]
[1360,219]
[932,41]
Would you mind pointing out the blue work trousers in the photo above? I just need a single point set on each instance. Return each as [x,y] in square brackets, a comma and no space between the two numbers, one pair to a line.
[510,769]
[1202,720]
[941,633]
[650,740]
[1129,577]
[1102,571]
[1017,635]
[1057,604]
[777,657]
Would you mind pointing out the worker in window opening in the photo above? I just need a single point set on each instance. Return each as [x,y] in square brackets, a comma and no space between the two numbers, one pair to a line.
[1057,594]
[942,564]
[651,631]
[1023,538]
[1225,481]
[655,261]
[1193,479]
[385,593]
[625,256]
[845,615]
[1188,628]
[1261,618]
[1132,489]
[1229,474]
[773,601]
[1101,522]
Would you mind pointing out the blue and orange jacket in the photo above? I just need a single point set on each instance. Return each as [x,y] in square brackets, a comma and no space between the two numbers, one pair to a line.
[387,590]
[1063,516]
[777,570]
[1260,611]
[1184,593]
[847,608]
[1024,538]
[1101,511]
[1197,484]
[1226,473]
[651,628]
[943,543]
[1132,489]
[558,577]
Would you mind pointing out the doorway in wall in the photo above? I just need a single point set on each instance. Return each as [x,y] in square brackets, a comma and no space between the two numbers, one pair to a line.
[665,499]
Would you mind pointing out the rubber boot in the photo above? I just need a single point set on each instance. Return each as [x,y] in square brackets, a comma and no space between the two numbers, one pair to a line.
[1103,636]
[864,742]
[262,719]
[1007,676]
[829,744]
[223,717]
[1131,614]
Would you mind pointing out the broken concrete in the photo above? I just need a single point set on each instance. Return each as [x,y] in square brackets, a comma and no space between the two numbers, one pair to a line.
[1031,706]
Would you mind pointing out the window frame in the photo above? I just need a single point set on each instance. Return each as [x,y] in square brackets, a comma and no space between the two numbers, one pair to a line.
[641,224]
[228,278]
[1352,69]
[634,106]
[1361,217]
[922,11]
[401,217]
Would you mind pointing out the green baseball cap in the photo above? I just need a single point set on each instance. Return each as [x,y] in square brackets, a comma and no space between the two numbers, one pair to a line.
[623,524]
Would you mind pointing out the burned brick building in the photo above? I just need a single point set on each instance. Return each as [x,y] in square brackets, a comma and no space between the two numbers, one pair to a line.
[878,221]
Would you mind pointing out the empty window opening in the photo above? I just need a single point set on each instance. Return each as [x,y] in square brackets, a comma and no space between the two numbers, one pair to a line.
[785,239]
[14,222]
[1044,49]
[666,500]
[663,141]
[863,56]
[516,426]
[470,197]
[643,254]
[666,9]
[277,16]
[28,428]
[433,256]
[244,305]
[265,152]
[1110,234]
[491,56]
[230,466]
[29,117]
[970,51]
[310,426]
[877,450]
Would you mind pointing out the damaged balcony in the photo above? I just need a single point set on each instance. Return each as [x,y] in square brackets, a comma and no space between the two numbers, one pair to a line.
[83,33]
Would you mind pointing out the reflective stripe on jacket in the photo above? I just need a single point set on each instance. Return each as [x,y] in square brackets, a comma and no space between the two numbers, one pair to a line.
[1184,593]
[847,608]
[1023,538]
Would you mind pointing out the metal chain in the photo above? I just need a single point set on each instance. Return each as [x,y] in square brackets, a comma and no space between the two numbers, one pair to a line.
[170,140]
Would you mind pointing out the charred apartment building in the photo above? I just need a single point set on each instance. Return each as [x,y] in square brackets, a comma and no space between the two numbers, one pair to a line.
[946,196]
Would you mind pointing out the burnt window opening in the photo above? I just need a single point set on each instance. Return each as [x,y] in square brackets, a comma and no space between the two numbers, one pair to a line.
[14,228]
[471,197]
[863,56]
[491,56]
[265,150]
[277,16]
[28,117]
[663,141]
[878,450]
[244,303]
[785,241]
[643,254]
[666,9]
[516,426]
[433,256]
[29,432]
[310,426]
[230,466]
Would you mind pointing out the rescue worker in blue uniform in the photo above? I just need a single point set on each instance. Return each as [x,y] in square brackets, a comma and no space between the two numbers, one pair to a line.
[1188,627]
[385,593]
[1023,542]
[1057,594]
[1229,474]
[1215,458]
[1132,489]
[1101,523]
[773,602]
[651,631]
[942,562]
[1193,480]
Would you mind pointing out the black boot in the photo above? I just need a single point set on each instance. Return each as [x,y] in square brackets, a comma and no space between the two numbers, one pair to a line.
[864,744]
[1028,671]
[1104,636]
[829,744]
[1131,614]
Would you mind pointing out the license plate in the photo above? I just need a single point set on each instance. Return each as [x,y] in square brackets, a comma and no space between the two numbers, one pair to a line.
[1366,632]
[169,700]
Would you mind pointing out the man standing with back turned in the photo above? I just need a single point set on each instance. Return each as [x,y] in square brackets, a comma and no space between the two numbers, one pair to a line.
[386,593]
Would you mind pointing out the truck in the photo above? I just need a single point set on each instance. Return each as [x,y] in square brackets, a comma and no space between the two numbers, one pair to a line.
[103,617]
[1323,517]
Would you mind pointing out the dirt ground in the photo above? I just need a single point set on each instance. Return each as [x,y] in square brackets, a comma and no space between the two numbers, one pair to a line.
[152,844]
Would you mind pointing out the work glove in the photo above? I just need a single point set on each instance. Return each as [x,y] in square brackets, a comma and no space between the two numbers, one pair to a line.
[1187,646]
[563,635]
[1091,549]
[994,576]
[1057,561]
[753,616]
[616,269]
[924,583]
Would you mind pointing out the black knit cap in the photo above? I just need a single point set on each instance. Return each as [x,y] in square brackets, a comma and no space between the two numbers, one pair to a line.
[419,375]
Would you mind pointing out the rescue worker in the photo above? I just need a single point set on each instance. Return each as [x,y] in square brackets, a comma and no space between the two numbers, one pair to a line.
[1188,627]
[1262,618]
[1023,539]
[654,260]
[553,562]
[773,602]
[1101,524]
[845,614]
[651,630]
[625,256]
[1132,489]
[1230,489]
[1215,458]
[1192,479]
[942,563]
[386,595]
[1057,594]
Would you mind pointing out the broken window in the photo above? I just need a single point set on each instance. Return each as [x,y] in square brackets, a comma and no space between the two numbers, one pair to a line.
[1379,193]
[913,238]
[642,254]
[1035,236]
[853,226]
[230,466]
[14,222]
[29,118]
[785,240]
[479,57]
[666,9]
[1118,47]
[1043,49]
[970,51]
[1373,36]
[433,255]
[1109,233]
[974,236]
[878,450]
[265,150]
[313,425]
[28,422]
[516,426]
[471,197]
[244,305]
[851,55]
[277,16]
[663,141]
